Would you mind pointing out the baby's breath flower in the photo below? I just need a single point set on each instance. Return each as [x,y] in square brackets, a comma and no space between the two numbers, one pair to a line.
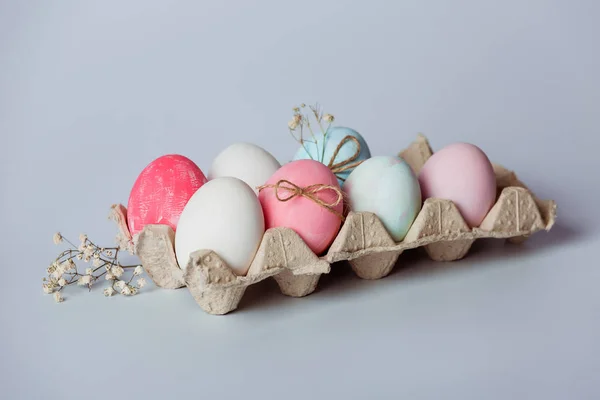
[292,124]
[84,280]
[328,118]
[58,272]
[58,298]
[117,271]
[88,251]
[57,238]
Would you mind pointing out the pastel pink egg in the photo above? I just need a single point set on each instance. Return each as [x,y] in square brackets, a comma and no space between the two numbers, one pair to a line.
[316,225]
[161,192]
[461,172]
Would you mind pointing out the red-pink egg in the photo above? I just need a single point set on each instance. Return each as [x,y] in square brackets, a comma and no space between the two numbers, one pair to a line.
[315,224]
[461,172]
[161,192]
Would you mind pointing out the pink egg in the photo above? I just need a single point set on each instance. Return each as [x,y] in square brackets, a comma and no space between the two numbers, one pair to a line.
[315,224]
[161,192]
[461,172]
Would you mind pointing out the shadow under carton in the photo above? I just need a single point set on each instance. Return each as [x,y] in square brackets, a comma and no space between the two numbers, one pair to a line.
[362,240]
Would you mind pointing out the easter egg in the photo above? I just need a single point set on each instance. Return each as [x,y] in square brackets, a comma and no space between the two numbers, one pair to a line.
[387,187]
[461,172]
[224,215]
[346,156]
[161,191]
[284,206]
[248,162]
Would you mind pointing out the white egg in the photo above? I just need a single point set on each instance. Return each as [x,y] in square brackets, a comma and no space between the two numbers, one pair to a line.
[248,162]
[225,216]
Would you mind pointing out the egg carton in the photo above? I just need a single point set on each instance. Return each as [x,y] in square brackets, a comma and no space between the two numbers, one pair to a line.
[282,254]
[362,241]
[439,226]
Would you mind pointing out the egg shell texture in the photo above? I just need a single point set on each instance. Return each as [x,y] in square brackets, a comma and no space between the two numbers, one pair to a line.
[225,216]
[248,162]
[461,172]
[387,187]
[161,192]
[334,136]
[316,225]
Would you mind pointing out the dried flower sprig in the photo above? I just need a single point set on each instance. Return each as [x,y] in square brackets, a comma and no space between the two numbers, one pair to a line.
[301,121]
[63,271]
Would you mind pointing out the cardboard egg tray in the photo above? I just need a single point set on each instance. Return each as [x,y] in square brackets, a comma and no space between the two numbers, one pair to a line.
[362,240]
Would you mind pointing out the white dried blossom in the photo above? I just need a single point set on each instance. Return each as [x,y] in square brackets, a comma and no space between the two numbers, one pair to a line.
[81,247]
[120,285]
[117,271]
[96,255]
[138,270]
[84,280]
[83,237]
[86,259]
[79,256]
[97,262]
[109,291]
[109,276]
[109,253]
[88,252]
[58,297]
[67,265]
[47,288]
[292,124]
[141,282]
[328,118]
[89,271]
[57,238]
[62,281]
[58,273]
[126,290]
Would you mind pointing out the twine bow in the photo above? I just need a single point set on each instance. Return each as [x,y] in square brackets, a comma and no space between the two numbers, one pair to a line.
[348,163]
[310,192]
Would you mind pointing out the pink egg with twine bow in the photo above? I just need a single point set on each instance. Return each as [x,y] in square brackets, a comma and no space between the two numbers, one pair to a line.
[161,192]
[304,196]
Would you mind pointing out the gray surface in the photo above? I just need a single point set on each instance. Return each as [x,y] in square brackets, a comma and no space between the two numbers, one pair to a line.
[90,92]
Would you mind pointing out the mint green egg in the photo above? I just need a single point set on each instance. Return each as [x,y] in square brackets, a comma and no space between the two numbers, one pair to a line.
[387,187]
[335,136]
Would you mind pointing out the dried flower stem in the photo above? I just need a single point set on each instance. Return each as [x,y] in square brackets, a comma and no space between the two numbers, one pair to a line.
[63,271]
[300,120]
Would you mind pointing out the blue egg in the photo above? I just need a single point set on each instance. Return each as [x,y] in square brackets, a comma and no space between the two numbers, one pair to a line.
[335,135]
[387,187]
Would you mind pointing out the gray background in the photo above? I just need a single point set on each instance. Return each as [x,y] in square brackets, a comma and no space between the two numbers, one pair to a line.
[90,92]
